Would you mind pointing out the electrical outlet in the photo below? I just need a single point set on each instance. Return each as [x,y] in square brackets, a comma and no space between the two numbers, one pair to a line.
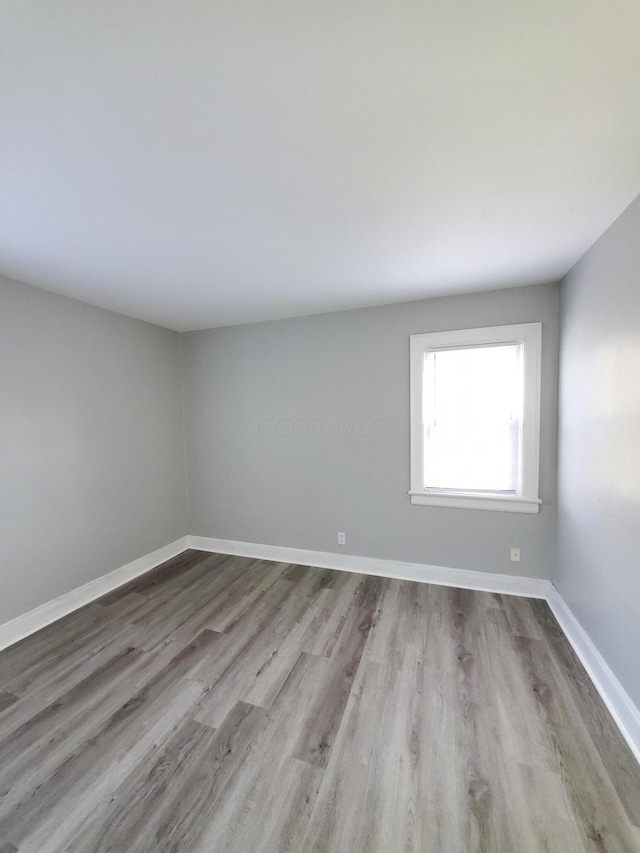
[341,538]
[515,555]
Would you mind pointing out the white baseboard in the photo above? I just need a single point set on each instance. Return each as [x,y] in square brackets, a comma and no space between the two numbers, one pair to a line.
[50,611]
[613,694]
[441,575]
[619,703]
[617,700]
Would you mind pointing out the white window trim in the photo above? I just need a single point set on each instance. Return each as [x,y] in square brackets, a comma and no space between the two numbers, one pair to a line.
[527,500]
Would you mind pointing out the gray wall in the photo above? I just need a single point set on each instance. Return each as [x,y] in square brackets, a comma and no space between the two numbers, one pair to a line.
[91,444]
[246,384]
[598,571]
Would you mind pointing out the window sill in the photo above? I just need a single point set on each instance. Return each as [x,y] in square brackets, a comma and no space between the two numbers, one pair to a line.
[490,502]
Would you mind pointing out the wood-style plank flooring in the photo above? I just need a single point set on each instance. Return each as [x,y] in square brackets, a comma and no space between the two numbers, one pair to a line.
[243,706]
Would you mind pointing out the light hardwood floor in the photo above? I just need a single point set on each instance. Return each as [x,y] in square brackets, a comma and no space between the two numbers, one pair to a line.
[228,705]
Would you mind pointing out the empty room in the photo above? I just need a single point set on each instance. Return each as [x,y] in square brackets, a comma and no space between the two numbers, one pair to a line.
[320,427]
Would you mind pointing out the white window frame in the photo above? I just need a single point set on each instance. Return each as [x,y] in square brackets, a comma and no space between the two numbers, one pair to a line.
[526,498]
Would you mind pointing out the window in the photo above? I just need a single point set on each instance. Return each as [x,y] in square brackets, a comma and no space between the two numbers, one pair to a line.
[475,418]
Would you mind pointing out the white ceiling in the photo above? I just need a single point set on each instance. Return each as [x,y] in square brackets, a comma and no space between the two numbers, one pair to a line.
[203,163]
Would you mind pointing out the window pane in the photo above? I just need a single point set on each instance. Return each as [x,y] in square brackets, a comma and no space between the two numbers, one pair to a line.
[473,400]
